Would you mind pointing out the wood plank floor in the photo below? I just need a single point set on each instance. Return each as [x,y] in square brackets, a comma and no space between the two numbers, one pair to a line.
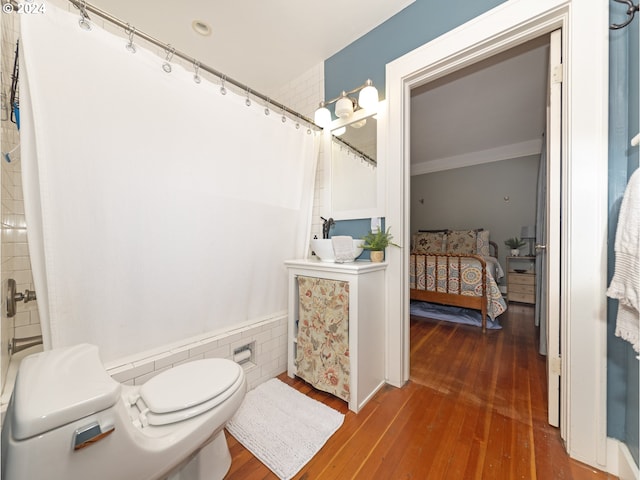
[474,408]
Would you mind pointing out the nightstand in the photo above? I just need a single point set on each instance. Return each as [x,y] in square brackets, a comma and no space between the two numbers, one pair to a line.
[521,279]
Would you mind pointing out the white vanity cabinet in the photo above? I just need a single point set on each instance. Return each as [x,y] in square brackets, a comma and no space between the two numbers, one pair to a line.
[366,321]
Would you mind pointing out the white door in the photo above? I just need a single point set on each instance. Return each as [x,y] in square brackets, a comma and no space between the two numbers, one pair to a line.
[551,251]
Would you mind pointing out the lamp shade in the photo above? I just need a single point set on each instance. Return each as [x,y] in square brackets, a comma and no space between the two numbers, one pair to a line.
[368,98]
[322,117]
[344,107]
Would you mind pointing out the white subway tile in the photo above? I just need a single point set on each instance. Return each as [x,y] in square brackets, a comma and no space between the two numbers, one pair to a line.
[170,359]
[190,359]
[134,371]
[228,339]
[220,352]
[202,348]
[147,376]
[27,331]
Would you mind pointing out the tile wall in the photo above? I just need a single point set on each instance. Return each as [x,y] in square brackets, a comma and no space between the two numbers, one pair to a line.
[269,353]
[303,95]
[14,253]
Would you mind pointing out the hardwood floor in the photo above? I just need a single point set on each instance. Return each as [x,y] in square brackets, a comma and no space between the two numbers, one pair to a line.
[474,408]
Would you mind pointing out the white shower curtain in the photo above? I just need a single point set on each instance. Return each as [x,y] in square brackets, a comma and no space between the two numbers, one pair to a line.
[157,208]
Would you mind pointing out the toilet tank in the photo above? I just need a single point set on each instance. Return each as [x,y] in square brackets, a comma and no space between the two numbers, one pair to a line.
[58,386]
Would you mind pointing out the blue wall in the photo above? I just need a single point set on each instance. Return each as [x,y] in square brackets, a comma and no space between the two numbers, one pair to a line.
[425,20]
[622,366]
[417,24]
[357,229]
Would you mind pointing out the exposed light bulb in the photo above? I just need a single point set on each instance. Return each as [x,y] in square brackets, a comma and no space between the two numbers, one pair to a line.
[322,117]
[344,107]
[368,98]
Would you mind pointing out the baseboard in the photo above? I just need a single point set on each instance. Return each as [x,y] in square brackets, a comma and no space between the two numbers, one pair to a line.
[620,462]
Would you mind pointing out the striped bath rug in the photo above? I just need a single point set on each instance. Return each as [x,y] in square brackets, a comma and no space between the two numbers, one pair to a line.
[282,427]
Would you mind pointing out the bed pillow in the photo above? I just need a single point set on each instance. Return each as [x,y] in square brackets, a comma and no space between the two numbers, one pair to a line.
[428,242]
[483,247]
[463,242]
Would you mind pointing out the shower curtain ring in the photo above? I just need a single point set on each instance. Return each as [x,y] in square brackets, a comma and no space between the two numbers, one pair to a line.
[223,89]
[247,102]
[84,17]
[169,51]
[284,117]
[131,31]
[196,68]
[266,109]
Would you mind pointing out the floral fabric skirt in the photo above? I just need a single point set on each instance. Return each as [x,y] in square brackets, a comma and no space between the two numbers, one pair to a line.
[322,357]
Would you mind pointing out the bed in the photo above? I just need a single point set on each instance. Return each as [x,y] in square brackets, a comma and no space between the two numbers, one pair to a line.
[457,268]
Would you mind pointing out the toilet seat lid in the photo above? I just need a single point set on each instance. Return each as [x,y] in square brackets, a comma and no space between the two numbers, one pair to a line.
[56,387]
[189,384]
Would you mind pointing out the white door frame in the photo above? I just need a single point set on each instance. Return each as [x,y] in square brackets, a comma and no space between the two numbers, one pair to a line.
[584,192]
[551,254]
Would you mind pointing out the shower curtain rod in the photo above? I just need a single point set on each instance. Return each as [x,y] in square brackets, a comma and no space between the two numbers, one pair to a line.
[84,7]
[87,7]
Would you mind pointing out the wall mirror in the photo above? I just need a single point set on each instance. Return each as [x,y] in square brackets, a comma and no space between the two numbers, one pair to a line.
[353,174]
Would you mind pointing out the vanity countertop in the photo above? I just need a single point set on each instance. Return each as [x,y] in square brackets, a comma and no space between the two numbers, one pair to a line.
[359,266]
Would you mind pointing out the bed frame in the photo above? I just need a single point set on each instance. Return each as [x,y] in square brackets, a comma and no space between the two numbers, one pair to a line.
[451,295]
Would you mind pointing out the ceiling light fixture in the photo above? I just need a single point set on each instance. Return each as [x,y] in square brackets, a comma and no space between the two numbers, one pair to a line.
[346,105]
[201,28]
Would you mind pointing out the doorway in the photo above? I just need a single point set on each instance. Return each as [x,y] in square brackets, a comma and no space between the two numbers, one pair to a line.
[583,306]
[476,151]
[478,135]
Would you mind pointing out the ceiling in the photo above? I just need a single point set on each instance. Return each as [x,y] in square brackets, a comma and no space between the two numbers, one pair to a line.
[486,112]
[263,44]
[492,110]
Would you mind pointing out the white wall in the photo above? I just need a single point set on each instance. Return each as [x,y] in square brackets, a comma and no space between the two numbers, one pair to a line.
[474,197]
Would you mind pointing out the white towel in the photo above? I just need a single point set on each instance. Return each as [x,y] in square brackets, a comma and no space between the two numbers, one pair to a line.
[625,285]
[343,248]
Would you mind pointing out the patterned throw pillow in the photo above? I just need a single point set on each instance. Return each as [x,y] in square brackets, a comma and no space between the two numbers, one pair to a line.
[463,242]
[430,242]
[483,247]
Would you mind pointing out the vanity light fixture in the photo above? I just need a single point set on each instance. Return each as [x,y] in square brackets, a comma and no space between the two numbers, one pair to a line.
[322,117]
[368,97]
[346,105]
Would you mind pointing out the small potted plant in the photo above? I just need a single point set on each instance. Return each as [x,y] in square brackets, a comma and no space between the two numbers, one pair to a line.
[377,242]
[514,244]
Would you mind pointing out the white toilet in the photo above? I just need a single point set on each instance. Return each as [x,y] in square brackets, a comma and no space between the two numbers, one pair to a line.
[68,419]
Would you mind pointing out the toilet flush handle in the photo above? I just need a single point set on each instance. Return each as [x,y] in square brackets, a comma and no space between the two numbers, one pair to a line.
[13,297]
[90,434]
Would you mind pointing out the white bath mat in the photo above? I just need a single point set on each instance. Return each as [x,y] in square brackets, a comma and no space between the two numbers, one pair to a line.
[282,427]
